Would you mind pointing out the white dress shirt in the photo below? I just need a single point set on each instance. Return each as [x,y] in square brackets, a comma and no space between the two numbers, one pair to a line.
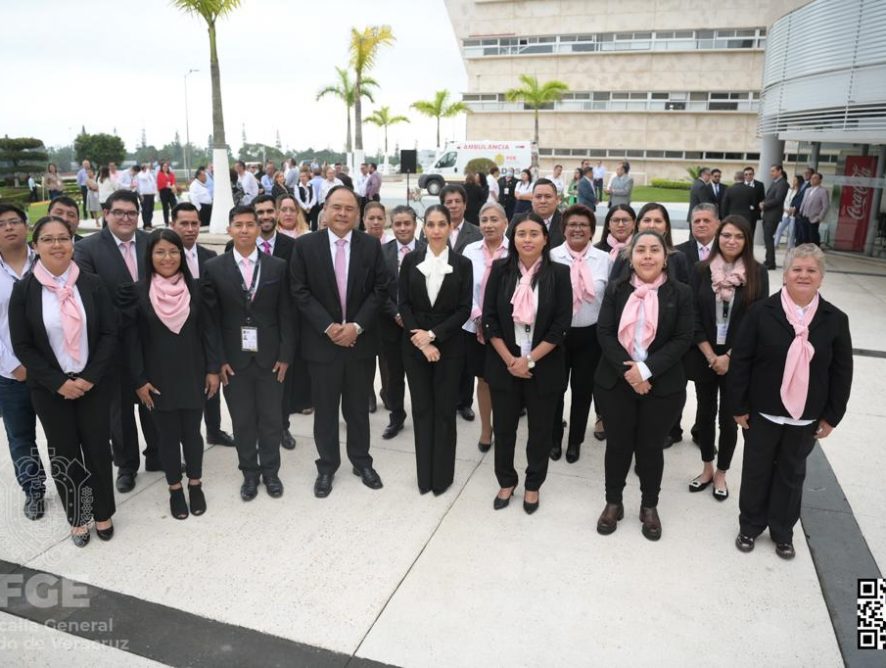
[360,184]
[707,249]
[474,252]
[558,183]
[256,267]
[193,261]
[146,183]
[493,189]
[52,321]
[8,278]
[453,234]
[600,265]
[326,186]
[250,187]
[199,194]
[272,242]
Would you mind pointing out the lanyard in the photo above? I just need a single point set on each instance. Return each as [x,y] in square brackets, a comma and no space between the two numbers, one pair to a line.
[249,293]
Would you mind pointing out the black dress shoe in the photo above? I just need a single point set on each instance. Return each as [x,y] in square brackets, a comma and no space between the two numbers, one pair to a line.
[556,452]
[125,481]
[288,441]
[530,508]
[467,413]
[785,550]
[498,503]
[323,485]
[609,518]
[573,452]
[220,438]
[273,485]
[392,430]
[105,534]
[744,543]
[651,523]
[373,403]
[80,539]
[249,488]
[369,476]
[34,507]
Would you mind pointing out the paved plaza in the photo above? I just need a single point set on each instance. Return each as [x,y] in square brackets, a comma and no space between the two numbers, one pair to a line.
[391,577]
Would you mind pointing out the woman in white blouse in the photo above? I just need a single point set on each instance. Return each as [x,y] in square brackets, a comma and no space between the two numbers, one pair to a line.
[64,330]
[589,269]
[434,301]
[523,193]
[786,226]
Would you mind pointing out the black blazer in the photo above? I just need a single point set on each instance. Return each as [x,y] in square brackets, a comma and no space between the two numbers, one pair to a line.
[552,321]
[389,330]
[673,337]
[223,296]
[98,254]
[759,353]
[468,234]
[316,294]
[705,304]
[283,246]
[31,343]
[742,200]
[678,267]
[176,364]
[700,193]
[717,198]
[204,255]
[555,232]
[449,312]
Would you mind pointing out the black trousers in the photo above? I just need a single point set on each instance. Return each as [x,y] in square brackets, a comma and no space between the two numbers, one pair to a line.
[212,414]
[391,362]
[707,416]
[314,216]
[769,240]
[167,199]
[205,214]
[179,433]
[84,191]
[540,411]
[254,398]
[341,383]
[635,425]
[148,210]
[300,396]
[124,435]
[773,471]
[433,388]
[582,356]
[77,434]
[803,231]
[465,383]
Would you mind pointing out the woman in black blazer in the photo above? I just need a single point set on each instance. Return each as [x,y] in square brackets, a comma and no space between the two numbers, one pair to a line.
[655,217]
[618,228]
[64,330]
[781,414]
[640,382]
[527,310]
[174,360]
[434,302]
[724,286]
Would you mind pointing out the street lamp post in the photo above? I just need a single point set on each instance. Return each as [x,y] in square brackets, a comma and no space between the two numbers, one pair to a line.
[187,150]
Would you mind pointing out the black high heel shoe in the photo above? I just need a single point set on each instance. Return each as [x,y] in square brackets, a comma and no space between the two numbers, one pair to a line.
[105,534]
[530,508]
[500,503]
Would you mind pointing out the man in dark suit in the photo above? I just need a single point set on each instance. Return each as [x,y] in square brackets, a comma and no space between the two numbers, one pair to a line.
[454,198]
[390,323]
[544,204]
[506,196]
[701,192]
[801,226]
[772,207]
[278,245]
[587,194]
[743,199]
[339,282]
[718,190]
[116,255]
[246,291]
[65,208]
[186,223]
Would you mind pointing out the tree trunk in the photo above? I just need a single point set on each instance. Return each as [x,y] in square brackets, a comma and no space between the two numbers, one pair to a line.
[348,141]
[358,112]
[218,120]
[535,161]
[438,132]
[386,143]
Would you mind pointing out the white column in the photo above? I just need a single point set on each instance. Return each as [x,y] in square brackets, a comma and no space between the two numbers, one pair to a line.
[771,153]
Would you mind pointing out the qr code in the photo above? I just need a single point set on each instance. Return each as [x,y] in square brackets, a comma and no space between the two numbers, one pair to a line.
[872,613]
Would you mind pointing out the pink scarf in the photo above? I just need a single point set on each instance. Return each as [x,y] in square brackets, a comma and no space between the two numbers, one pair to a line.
[616,246]
[72,323]
[171,300]
[645,297]
[488,259]
[524,308]
[795,381]
[582,278]
[724,284]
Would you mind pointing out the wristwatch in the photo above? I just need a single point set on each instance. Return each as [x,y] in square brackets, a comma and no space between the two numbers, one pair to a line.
[431,335]
[359,329]
[530,362]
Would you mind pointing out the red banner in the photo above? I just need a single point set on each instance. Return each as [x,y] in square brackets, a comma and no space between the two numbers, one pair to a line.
[855,205]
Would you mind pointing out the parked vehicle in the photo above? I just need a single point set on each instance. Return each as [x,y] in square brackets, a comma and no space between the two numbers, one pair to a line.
[448,166]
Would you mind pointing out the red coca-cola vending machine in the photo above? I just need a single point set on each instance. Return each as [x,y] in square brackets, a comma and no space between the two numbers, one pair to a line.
[856,199]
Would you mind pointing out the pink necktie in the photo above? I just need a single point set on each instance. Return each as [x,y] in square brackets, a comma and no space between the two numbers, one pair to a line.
[193,265]
[266,247]
[341,275]
[403,251]
[129,259]
[703,253]
[246,269]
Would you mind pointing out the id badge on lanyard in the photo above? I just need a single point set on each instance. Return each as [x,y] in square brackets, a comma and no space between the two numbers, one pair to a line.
[249,332]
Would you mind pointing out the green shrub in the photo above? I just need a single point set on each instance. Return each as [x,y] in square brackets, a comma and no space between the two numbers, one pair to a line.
[479,166]
[671,184]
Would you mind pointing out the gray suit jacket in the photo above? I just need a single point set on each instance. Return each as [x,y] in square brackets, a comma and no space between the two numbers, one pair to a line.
[816,203]
[622,187]
[773,204]
[468,233]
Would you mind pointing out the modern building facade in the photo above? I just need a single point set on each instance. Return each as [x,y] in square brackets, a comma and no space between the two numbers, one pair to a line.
[665,84]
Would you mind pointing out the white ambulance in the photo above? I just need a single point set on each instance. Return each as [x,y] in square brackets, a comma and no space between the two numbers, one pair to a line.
[448,165]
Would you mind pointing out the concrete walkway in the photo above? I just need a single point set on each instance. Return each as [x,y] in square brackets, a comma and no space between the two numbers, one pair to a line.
[397,578]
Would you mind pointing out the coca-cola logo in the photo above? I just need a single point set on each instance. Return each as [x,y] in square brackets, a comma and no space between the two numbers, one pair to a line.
[859,202]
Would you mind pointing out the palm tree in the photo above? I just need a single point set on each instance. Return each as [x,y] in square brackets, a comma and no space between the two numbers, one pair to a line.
[364,50]
[382,118]
[439,108]
[536,96]
[347,93]
[210,11]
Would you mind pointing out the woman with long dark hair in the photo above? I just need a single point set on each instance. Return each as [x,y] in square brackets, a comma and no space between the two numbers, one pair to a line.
[174,357]
[523,193]
[618,228]
[526,314]
[166,188]
[724,287]
[645,327]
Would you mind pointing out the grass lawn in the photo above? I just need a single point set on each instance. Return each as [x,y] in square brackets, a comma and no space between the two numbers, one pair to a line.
[650,194]
[37,210]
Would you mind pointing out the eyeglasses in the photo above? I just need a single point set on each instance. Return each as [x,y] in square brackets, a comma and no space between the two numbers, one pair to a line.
[132,215]
[726,236]
[12,222]
[620,221]
[166,253]
[54,241]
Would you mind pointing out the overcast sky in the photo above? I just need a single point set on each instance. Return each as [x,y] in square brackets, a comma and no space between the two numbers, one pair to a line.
[120,64]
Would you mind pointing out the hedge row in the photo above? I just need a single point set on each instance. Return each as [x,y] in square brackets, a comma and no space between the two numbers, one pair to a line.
[671,185]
